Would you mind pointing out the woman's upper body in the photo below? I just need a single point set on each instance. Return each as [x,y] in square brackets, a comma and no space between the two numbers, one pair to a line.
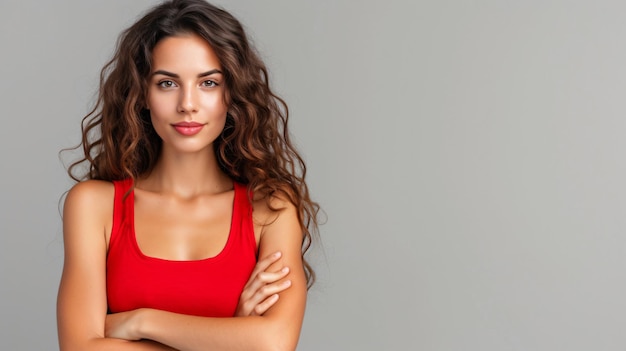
[83,301]
[208,284]
[184,113]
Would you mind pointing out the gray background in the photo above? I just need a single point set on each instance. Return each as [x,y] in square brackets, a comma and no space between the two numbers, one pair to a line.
[469,155]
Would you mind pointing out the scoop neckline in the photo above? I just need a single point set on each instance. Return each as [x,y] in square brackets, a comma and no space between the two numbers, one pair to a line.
[217,257]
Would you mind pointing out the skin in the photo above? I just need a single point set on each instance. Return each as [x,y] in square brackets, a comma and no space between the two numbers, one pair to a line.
[186,183]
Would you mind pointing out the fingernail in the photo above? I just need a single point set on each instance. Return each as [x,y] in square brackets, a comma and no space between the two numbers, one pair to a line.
[285,270]
[287,282]
[277,254]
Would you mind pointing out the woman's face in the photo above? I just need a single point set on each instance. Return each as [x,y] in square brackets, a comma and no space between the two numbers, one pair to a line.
[186,93]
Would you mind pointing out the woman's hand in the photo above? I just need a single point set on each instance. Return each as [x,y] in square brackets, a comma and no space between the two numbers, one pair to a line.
[261,290]
[123,325]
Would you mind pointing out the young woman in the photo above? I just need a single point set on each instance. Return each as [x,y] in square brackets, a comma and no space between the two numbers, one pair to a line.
[189,228]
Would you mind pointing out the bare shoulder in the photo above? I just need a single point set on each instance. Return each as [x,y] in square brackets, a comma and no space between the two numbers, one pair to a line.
[276,223]
[89,203]
[92,194]
[273,208]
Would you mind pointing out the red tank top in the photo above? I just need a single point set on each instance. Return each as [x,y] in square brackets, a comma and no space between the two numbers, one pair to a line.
[209,287]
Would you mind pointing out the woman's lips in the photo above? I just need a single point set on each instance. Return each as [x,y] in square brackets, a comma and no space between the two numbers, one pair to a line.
[188,128]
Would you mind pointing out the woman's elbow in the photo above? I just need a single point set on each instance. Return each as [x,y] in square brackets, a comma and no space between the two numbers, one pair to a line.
[280,339]
[278,344]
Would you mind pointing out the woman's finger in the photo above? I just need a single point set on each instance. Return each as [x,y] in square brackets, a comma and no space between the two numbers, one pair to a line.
[264,264]
[249,305]
[257,282]
[268,290]
[265,305]
[263,298]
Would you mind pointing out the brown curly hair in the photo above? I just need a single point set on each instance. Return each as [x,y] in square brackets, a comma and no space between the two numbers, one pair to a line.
[254,148]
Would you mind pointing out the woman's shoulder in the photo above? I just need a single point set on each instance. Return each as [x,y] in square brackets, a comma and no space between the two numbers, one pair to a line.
[273,209]
[276,202]
[92,189]
[95,196]
[87,215]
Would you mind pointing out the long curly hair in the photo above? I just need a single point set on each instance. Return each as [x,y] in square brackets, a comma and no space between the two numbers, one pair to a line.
[119,142]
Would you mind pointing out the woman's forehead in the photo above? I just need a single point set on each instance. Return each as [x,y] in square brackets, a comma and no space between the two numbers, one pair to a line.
[184,54]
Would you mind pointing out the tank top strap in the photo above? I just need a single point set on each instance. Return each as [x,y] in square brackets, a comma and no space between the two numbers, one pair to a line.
[242,216]
[123,204]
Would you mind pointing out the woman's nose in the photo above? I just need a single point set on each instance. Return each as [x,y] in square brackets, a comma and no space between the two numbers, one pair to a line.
[188,101]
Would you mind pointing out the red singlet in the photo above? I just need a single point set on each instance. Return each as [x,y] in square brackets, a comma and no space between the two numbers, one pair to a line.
[208,287]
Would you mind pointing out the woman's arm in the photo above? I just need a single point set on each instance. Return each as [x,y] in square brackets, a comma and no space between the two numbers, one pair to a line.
[277,329]
[81,304]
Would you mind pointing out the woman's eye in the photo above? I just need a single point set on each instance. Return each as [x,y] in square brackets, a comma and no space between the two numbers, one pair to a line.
[209,83]
[166,84]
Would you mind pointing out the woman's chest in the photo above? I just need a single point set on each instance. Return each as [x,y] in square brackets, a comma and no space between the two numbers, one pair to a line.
[200,288]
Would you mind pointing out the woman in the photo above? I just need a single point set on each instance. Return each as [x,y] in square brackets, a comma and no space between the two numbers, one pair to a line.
[191,178]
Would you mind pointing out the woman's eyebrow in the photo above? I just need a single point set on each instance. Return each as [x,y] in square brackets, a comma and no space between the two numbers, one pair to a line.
[208,73]
[174,75]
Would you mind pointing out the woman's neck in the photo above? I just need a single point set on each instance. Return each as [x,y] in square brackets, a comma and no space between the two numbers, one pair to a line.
[186,175]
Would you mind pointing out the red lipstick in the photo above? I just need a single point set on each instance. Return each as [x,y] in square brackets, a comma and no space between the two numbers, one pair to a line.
[188,128]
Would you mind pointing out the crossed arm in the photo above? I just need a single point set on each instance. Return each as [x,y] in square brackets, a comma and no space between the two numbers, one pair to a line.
[266,321]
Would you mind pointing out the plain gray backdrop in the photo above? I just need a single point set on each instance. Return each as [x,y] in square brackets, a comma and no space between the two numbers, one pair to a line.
[470,156]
